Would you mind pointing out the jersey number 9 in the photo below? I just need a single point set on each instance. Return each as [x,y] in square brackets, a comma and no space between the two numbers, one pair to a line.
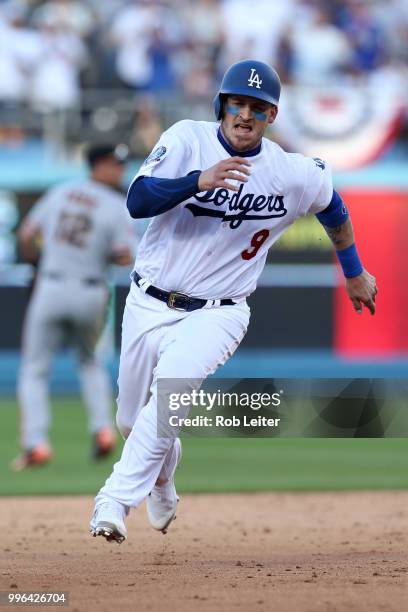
[257,241]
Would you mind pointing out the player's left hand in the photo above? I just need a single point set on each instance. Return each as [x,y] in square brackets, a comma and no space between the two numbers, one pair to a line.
[362,290]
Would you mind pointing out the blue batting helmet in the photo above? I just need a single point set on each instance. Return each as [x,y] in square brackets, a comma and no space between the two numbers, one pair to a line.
[249,78]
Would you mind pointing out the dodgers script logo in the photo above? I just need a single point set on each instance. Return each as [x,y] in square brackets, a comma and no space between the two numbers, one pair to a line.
[240,207]
[254,79]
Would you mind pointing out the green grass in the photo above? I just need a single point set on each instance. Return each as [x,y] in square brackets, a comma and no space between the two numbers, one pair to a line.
[209,464]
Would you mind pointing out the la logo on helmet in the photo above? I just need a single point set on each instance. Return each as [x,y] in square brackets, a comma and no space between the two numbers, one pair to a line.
[254,79]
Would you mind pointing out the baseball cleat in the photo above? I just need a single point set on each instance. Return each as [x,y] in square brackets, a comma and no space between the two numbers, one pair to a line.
[35,457]
[161,503]
[104,443]
[108,521]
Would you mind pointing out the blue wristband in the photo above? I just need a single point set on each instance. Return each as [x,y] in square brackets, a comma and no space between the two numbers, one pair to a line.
[350,261]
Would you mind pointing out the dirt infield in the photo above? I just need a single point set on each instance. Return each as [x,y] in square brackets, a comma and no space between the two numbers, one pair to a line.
[285,552]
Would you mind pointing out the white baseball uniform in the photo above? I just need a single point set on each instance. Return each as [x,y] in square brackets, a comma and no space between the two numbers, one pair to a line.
[82,225]
[212,246]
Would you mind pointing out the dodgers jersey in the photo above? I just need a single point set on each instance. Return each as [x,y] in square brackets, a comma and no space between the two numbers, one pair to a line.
[214,244]
[82,224]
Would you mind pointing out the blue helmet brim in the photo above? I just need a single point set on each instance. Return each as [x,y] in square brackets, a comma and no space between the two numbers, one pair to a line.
[240,92]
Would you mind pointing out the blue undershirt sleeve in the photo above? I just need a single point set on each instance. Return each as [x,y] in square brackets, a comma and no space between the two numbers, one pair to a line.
[335,214]
[150,196]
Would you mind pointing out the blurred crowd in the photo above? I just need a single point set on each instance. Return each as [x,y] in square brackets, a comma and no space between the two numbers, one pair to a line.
[52,50]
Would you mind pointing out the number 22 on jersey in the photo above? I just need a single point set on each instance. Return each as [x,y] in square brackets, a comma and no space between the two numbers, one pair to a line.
[257,241]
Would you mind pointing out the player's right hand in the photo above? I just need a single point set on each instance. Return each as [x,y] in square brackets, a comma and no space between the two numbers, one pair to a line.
[233,169]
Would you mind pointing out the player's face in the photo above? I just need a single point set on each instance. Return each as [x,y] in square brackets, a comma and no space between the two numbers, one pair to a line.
[111,171]
[245,121]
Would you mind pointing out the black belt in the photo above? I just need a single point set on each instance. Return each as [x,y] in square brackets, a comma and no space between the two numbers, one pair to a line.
[176,300]
[60,277]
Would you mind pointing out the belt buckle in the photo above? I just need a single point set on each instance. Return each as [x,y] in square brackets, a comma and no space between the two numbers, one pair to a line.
[171,300]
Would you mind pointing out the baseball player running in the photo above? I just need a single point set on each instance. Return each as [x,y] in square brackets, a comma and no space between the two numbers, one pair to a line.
[83,227]
[219,195]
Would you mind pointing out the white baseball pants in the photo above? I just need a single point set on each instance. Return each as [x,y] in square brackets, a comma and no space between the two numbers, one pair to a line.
[158,342]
